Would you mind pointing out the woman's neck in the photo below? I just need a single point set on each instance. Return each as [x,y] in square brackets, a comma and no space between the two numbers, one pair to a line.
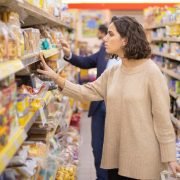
[132,63]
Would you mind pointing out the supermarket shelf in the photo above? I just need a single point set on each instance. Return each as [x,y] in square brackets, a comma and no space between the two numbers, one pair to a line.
[50,52]
[8,68]
[173,94]
[32,116]
[154,27]
[176,58]
[162,25]
[11,67]
[175,121]
[11,148]
[32,15]
[171,73]
[30,59]
[168,39]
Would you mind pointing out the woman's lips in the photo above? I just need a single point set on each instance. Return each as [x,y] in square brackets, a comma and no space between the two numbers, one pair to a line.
[106,45]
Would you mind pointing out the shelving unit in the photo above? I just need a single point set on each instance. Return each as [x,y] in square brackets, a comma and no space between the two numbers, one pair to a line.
[32,116]
[11,67]
[161,25]
[34,14]
[168,39]
[171,73]
[168,63]
[172,57]
[11,148]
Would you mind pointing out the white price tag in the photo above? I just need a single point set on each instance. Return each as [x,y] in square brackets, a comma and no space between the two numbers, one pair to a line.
[43,117]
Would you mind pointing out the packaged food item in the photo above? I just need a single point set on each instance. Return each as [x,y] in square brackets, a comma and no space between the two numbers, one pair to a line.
[3,136]
[36,104]
[12,19]
[52,64]
[22,104]
[14,25]
[66,173]
[3,42]
[7,81]
[23,119]
[50,6]
[3,118]
[32,40]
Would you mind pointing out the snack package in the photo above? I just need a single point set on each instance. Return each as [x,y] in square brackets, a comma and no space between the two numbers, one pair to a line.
[3,42]
[32,40]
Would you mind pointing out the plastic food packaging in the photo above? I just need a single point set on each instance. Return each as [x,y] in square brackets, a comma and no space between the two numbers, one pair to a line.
[22,104]
[32,40]
[3,42]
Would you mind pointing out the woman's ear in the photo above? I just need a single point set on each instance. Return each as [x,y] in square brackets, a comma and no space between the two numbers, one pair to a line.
[124,41]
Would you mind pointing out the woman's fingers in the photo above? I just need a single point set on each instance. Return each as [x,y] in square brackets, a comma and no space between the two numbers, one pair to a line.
[178,168]
[42,60]
[41,71]
[173,168]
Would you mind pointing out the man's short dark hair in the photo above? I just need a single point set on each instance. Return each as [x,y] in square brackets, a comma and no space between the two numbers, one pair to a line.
[103,28]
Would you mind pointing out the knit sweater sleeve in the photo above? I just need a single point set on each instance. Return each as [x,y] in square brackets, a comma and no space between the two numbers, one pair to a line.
[161,116]
[94,91]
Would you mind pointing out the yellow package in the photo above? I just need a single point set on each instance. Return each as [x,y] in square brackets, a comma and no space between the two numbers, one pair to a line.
[36,104]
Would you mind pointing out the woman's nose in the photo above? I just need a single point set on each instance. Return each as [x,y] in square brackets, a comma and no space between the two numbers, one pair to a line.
[105,38]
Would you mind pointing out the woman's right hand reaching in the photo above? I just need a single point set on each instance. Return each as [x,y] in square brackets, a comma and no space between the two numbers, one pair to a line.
[46,69]
[50,73]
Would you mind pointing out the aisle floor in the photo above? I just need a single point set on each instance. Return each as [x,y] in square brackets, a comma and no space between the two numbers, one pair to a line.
[86,170]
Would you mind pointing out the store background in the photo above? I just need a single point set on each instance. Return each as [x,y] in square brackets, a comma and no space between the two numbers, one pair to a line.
[46,125]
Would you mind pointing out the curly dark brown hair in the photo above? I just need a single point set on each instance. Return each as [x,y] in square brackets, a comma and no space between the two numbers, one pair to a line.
[137,46]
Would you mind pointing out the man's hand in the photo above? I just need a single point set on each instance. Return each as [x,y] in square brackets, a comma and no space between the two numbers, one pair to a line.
[65,47]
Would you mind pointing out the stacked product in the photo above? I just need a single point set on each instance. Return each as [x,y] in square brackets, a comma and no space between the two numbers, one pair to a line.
[55,8]
[8,116]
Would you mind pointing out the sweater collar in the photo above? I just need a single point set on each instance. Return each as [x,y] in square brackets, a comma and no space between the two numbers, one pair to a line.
[136,69]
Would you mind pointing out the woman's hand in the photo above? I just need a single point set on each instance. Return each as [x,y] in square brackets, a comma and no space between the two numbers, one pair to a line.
[51,74]
[175,167]
[47,70]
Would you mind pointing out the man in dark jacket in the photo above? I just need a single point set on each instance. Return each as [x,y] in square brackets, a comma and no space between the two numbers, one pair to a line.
[97,109]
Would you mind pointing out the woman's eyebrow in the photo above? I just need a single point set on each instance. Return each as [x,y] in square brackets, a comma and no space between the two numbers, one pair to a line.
[110,31]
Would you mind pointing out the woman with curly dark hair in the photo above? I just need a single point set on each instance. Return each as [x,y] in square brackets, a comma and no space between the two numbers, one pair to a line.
[139,137]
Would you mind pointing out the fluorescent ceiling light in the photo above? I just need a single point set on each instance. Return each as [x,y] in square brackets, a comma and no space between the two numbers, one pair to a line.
[118,1]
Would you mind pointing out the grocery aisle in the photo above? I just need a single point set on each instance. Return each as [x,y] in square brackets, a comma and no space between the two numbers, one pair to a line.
[86,161]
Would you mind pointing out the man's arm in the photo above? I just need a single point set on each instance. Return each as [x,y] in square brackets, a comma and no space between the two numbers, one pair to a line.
[84,62]
[79,61]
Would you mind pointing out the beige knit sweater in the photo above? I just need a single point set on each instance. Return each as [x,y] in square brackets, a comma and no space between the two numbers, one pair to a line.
[139,135]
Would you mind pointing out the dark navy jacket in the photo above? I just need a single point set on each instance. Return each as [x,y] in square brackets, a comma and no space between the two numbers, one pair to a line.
[96,60]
